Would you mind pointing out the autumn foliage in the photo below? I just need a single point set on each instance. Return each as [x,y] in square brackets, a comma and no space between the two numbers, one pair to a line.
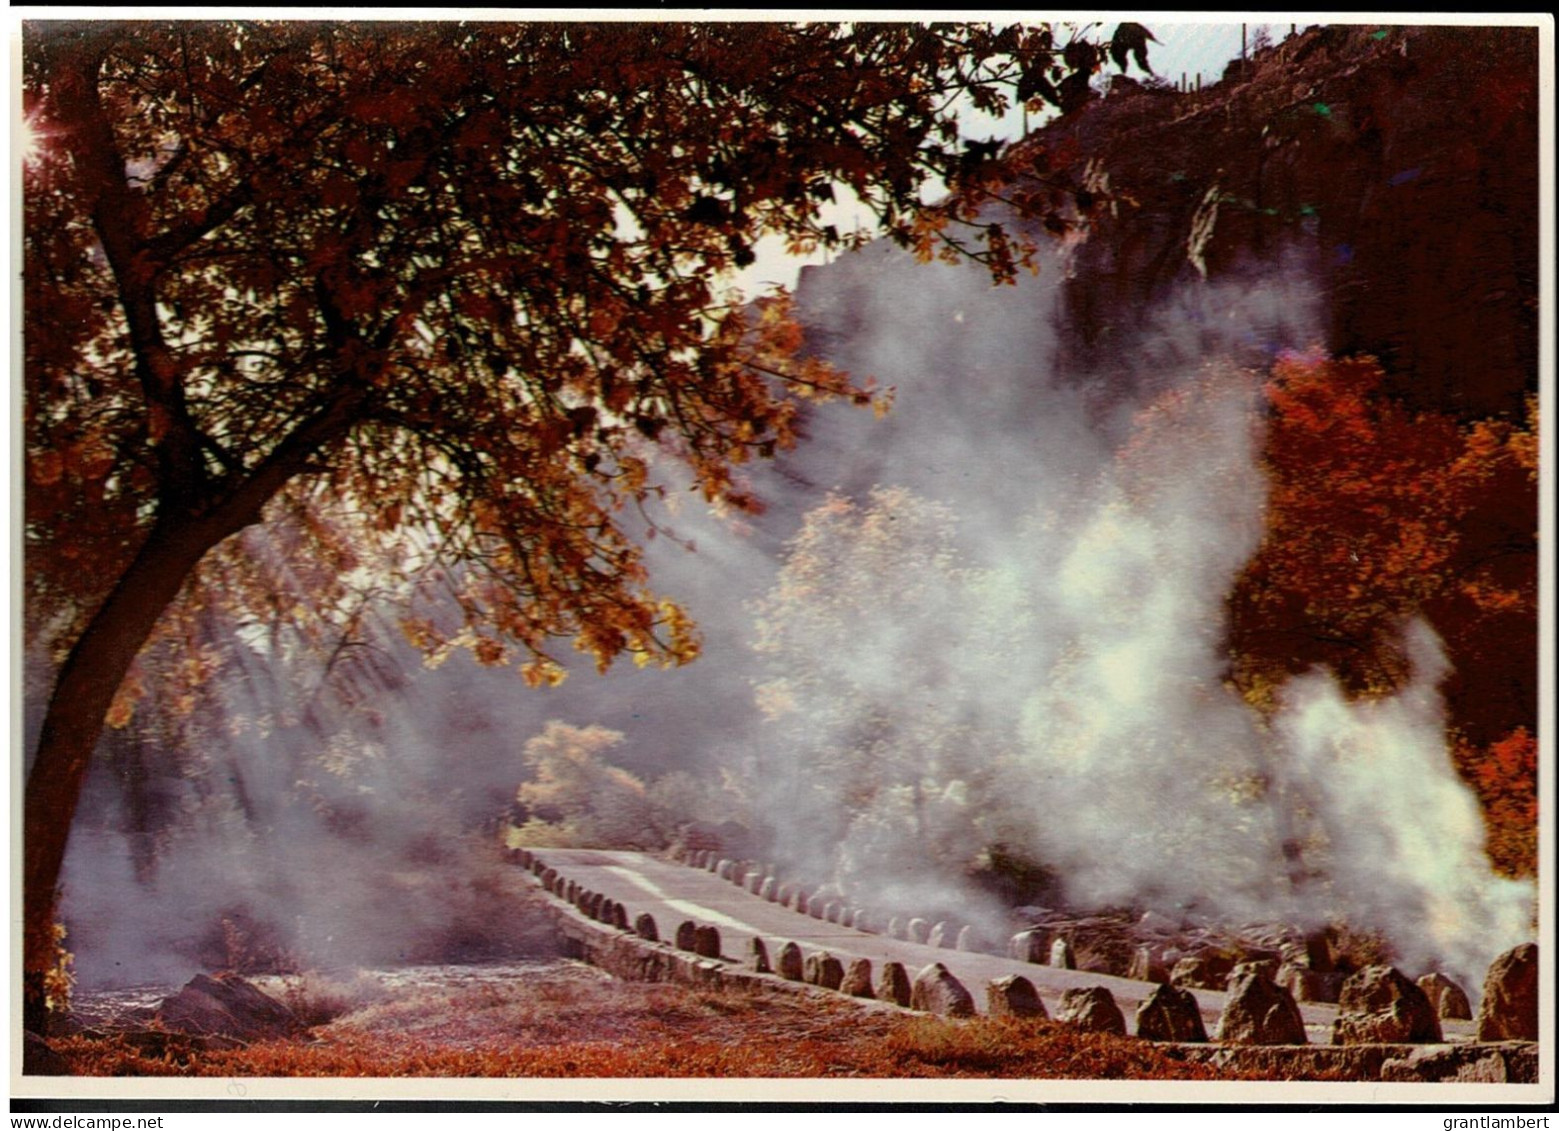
[447,299]
[1378,513]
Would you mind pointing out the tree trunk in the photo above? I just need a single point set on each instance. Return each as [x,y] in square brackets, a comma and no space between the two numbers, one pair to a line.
[87,683]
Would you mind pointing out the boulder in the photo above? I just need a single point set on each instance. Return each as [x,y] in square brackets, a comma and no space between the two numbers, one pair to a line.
[620,917]
[1266,967]
[758,956]
[768,890]
[816,906]
[938,935]
[789,964]
[706,942]
[1448,999]
[226,1006]
[1061,955]
[756,881]
[40,1059]
[894,985]
[1509,1008]
[1092,1009]
[1170,1014]
[687,934]
[1032,945]
[896,928]
[644,927]
[1207,970]
[1307,984]
[858,979]
[1147,965]
[917,930]
[1380,1006]
[936,991]
[823,969]
[1260,1012]
[969,939]
[802,902]
[785,895]
[1013,996]
[833,910]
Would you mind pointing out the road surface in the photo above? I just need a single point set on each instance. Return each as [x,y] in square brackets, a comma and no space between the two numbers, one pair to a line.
[672,893]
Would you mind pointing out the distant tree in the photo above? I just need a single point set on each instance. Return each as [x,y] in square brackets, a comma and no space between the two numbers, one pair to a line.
[451,286]
[861,640]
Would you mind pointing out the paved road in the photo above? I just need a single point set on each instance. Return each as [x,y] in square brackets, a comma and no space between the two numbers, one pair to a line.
[673,893]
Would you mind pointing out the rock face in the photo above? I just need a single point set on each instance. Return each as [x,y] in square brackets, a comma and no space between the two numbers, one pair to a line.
[1448,999]
[789,964]
[1092,1009]
[1509,1008]
[1380,1006]
[1260,1012]
[894,985]
[1013,996]
[226,1006]
[1170,1014]
[937,991]
[858,979]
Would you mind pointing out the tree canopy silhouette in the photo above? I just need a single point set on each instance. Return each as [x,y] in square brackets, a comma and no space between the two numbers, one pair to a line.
[439,295]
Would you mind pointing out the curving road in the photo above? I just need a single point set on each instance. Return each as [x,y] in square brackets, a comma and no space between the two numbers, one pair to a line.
[672,893]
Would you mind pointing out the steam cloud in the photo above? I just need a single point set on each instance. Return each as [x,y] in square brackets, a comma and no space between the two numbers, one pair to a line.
[1076,618]
[1102,539]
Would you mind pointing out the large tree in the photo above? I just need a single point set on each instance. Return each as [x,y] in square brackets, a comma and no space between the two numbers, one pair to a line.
[438,295]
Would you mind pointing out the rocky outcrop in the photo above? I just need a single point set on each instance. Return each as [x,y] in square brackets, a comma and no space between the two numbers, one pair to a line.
[936,990]
[1508,1011]
[1092,1009]
[1260,1012]
[1170,1014]
[1013,996]
[1380,1006]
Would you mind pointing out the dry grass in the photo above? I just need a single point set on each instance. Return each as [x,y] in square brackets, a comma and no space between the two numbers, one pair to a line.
[572,1021]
